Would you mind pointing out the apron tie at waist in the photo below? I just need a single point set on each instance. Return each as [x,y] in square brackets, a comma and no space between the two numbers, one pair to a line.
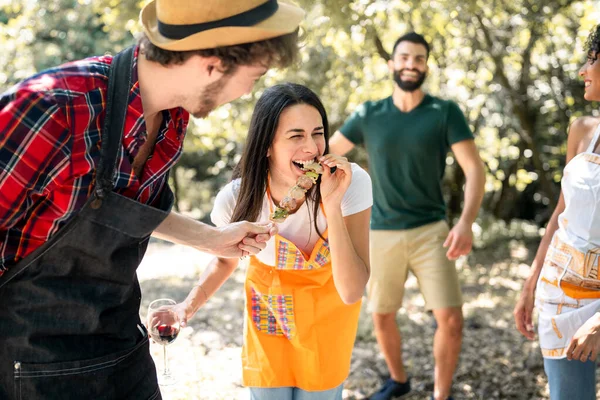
[584,264]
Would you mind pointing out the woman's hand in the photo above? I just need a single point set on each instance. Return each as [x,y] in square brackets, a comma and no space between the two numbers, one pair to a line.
[184,312]
[523,311]
[334,186]
[586,341]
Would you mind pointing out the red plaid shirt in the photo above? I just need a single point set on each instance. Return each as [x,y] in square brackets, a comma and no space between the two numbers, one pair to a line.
[50,129]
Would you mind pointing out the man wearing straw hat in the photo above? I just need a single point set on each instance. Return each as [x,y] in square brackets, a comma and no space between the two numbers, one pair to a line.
[85,150]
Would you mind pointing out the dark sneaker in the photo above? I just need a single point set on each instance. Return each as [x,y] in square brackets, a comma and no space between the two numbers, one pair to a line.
[392,390]
[447,398]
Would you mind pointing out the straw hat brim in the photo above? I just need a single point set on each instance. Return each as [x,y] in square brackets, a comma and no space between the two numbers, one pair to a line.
[285,20]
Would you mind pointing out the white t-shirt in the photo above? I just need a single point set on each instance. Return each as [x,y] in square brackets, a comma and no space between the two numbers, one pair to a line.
[298,227]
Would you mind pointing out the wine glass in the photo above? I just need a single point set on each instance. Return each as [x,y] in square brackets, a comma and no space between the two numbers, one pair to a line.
[163,326]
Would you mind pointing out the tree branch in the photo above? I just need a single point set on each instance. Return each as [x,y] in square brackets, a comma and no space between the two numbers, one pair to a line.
[496,58]
[379,46]
[526,65]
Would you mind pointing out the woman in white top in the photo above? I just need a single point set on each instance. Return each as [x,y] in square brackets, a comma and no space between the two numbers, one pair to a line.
[303,290]
[563,281]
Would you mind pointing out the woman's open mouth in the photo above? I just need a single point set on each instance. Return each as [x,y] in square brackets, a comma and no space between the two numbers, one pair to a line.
[301,163]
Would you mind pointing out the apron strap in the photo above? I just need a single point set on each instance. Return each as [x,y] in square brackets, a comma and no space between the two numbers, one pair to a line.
[271,202]
[594,141]
[119,86]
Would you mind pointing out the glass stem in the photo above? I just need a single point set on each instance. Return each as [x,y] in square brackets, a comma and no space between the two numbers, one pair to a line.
[166,371]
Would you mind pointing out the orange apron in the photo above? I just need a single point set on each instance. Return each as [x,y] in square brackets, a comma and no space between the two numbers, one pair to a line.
[297,330]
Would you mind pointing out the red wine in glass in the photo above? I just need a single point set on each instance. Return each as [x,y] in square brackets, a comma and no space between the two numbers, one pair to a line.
[163,326]
[167,334]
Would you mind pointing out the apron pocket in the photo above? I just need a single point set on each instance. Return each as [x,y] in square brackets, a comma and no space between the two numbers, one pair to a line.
[128,374]
[273,314]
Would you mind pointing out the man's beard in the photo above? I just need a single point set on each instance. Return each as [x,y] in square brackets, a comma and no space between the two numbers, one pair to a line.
[409,86]
[208,98]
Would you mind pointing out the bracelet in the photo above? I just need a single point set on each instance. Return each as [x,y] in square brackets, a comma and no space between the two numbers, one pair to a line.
[203,291]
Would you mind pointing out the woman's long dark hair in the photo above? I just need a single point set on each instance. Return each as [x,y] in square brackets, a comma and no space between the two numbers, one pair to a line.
[253,168]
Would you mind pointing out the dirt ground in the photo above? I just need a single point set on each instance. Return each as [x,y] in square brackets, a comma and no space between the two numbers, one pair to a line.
[496,361]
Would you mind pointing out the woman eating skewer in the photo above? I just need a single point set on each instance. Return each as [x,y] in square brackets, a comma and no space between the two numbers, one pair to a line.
[304,290]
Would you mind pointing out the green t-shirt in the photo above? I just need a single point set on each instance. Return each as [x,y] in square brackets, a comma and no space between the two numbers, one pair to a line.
[407,157]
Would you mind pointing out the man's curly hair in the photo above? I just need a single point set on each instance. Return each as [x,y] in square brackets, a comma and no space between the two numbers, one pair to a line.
[592,43]
[280,51]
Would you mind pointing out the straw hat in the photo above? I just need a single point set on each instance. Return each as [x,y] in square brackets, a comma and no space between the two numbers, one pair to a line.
[204,24]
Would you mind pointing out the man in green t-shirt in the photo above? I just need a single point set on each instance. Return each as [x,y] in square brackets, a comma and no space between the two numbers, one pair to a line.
[407,137]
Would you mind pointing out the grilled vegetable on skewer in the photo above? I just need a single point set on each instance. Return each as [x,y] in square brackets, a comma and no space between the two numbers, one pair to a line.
[297,192]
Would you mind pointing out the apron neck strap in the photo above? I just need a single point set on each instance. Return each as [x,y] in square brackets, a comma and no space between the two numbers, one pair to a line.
[117,99]
[594,141]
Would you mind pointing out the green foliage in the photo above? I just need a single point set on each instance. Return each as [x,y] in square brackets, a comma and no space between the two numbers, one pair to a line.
[511,66]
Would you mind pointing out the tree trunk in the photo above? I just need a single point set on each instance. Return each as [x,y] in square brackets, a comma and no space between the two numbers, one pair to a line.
[500,201]
[456,193]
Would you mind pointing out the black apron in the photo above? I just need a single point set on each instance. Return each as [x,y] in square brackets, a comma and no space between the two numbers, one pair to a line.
[69,312]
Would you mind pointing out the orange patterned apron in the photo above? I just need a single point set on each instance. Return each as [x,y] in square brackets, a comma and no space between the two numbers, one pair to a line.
[297,330]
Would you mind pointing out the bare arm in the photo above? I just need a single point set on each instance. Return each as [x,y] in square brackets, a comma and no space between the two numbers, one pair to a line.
[579,135]
[460,238]
[338,144]
[225,241]
[177,228]
[540,255]
[467,156]
[348,236]
[349,244]
[213,277]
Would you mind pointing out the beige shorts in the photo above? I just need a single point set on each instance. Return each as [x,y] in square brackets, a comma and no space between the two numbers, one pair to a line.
[420,250]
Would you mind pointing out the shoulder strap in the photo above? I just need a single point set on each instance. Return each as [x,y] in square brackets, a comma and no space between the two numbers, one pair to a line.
[594,141]
[119,86]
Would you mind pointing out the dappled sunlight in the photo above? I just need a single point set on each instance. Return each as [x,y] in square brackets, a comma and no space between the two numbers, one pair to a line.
[518,88]
[206,355]
[496,361]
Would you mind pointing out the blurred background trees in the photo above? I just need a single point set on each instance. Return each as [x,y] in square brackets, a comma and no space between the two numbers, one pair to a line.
[511,66]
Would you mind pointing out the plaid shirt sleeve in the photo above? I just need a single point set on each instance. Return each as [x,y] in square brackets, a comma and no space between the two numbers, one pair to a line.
[34,136]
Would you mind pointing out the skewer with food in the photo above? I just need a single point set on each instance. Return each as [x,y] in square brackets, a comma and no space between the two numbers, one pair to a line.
[297,192]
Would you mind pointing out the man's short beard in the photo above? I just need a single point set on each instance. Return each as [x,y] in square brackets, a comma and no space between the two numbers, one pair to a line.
[409,86]
[208,97]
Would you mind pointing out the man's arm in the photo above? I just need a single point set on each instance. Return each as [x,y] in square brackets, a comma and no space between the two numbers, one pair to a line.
[232,240]
[34,151]
[468,158]
[460,238]
[339,144]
